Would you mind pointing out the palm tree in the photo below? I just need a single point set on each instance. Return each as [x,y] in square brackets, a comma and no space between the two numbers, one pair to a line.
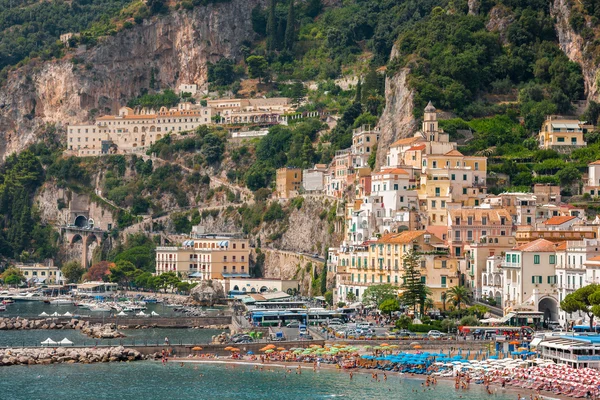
[459,295]
[428,304]
[444,298]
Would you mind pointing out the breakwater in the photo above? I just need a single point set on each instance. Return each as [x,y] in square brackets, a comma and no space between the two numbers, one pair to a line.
[99,331]
[60,355]
[220,322]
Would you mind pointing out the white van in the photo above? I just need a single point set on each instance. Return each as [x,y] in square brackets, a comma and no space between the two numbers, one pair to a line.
[365,325]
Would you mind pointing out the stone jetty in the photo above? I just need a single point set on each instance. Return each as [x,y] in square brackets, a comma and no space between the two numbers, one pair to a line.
[33,356]
[98,331]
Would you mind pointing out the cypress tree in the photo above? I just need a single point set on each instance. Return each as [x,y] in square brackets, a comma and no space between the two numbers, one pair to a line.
[357,97]
[272,27]
[414,291]
[290,33]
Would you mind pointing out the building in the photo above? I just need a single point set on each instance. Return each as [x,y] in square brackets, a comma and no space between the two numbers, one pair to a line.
[313,179]
[364,140]
[131,130]
[492,283]
[251,111]
[478,255]
[562,133]
[573,350]
[39,274]
[206,257]
[529,277]
[288,182]
[547,194]
[235,286]
[469,225]
[191,88]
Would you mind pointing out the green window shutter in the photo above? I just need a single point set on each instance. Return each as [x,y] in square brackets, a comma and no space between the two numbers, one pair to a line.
[533,279]
[536,259]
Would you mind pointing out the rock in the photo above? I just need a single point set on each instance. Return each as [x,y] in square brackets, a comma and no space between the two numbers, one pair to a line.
[207,292]
[52,326]
[3,326]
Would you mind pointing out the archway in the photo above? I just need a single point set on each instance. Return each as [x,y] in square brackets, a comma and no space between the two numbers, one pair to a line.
[81,221]
[253,290]
[236,288]
[498,298]
[550,309]
[75,239]
[263,289]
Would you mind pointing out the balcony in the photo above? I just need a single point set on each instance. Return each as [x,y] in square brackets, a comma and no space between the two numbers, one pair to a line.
[510,265]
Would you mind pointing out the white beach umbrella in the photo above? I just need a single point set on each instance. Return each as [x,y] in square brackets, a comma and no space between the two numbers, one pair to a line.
[65,342]
[154,314]
[55,314]
[141,314]
[48,342]
[67,314]
[121,314]
[43,314]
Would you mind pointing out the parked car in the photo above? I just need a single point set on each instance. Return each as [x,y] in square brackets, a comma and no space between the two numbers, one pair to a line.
[243,339]
[434,334]
[365,325]
[405,333]
[302,329]
[293,324]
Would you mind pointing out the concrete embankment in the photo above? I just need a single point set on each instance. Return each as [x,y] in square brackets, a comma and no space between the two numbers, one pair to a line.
[99,330]
[220,322]
[33,356]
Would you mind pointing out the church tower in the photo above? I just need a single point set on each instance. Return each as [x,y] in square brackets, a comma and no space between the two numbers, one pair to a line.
[430,123]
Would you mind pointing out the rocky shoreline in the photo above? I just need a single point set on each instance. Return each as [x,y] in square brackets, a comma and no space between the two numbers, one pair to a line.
[45,356]
[97,331]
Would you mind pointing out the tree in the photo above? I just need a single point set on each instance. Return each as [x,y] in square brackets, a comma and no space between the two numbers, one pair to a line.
[13,276]
[98,271]
[73,271]
[375,295]
[123,273]
[444,298]
[414,291]
[372,158]
[328,297]
[156,6]
[389,306]
[351,296]
[324,279]
[358,94]
[272,27]
[290,29]
[459,295]
[469,320]
[403,322]
[585,300]
[257,67]
[313,8]
[569,176]
[478,310]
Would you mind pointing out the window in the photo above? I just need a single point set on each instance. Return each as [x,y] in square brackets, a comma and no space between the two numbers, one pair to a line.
[432,203]
[456,235]
[453,177]
[552,280]
[552,260]
[464,190]
[537,279]
[444,264]
[443,281]
[464,177]
[536,259]
[560,139]
[437,192]
[469,220]
[443,203]
[395,186]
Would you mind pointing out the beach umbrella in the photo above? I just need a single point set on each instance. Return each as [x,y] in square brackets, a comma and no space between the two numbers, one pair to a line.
[121,314]
[141,314]
[154,314]
[65,342]
[229,348]
[270,346]
[514,342]
[48,341]
[384,344]
[43,314]
[417,346]
[280,348]
[250,353]
[67,314]
[234,350]
[269,351]
[55,314]
[198,348]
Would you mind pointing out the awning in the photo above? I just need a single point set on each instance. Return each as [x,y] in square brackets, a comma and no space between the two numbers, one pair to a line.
[535,342]
[224,243]
[195,275]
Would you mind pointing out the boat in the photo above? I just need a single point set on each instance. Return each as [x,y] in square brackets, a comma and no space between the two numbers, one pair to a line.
[2,307]
[28,297]
[61,302]
[100,308]
[8,301]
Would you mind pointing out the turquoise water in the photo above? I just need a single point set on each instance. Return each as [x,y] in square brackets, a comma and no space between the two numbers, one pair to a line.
[132,336]
[151,380]
[34,308]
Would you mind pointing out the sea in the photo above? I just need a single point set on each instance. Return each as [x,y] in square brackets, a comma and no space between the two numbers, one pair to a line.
[151,380]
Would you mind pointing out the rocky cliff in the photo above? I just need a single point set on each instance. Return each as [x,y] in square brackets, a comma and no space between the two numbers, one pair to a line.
[397,120]
[575,47]
[170,50]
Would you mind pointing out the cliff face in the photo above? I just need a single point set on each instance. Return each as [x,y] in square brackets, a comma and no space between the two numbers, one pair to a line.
[174,49]
[397,119]
[575,47]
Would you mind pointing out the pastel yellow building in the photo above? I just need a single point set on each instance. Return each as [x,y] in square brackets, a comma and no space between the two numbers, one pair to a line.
[288,182]
[562,133]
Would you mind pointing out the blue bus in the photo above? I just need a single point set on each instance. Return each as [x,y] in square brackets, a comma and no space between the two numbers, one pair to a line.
[586,328]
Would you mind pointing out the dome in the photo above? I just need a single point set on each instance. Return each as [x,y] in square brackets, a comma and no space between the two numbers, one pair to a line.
[430,108]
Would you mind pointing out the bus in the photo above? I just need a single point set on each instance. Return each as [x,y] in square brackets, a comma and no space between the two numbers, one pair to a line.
[492,331]
[586,328]
[264,317]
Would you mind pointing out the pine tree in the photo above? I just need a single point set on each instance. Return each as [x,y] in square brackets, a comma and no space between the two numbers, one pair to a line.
[272,27]
[414,291]
[371,86]
[357,97]
[290,33]
[308,152]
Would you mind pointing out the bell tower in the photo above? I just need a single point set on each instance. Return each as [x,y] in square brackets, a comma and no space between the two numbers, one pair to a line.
[430,123]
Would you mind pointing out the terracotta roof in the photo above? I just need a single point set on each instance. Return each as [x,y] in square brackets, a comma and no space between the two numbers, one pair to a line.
[407,141]
[493,215]
[561,246]
[393,171]
[438,231]
[558,220]
[417,148]
[597,258]
[597,162]
[540,245]
[402,238]
[454,153]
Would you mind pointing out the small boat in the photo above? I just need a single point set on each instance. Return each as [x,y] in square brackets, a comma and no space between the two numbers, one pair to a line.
[151,300]
[100,309]
[8,301]
[2,307]
[61,302]
[28,297]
